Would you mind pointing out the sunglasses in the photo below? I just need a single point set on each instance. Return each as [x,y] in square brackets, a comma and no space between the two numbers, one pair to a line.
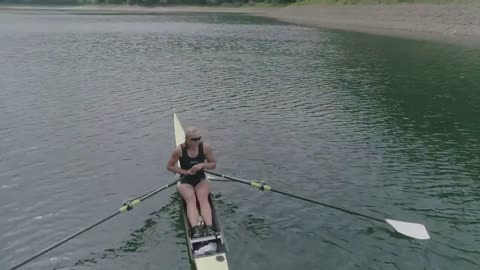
[196,139]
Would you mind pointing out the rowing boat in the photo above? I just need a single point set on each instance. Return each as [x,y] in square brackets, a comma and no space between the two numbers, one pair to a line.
[216,259]
[213,260]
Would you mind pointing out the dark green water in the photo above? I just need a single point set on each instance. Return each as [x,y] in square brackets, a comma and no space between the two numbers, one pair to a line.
[382,126]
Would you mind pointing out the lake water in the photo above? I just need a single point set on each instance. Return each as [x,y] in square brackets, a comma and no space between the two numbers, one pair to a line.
[383,126]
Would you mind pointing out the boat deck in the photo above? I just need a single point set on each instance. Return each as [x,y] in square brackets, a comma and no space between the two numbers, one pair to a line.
[211,261]
[214,260]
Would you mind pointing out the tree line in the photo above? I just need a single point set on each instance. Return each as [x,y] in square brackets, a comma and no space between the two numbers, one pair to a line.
[145,2]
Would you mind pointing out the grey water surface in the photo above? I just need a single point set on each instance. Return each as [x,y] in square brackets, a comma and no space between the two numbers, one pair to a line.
[383,126]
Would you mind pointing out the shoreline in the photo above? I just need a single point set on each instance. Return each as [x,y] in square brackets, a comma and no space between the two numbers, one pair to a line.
[445,23]
[127,9]
[457,23]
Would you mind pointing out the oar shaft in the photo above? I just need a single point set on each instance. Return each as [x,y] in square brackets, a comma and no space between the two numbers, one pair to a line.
[148,195]
[123,209]
[414,230]
[269,188]
[63,241]
[327,205]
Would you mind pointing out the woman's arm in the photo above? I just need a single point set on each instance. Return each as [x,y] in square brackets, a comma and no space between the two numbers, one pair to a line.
[211,162]
[173,161]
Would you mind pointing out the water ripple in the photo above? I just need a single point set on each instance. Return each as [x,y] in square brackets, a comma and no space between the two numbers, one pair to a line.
[377,125]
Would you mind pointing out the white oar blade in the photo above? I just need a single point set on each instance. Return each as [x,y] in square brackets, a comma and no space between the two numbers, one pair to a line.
[413,230]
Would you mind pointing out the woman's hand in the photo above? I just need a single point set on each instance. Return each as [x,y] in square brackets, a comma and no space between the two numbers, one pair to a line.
[196,168]
[189,172]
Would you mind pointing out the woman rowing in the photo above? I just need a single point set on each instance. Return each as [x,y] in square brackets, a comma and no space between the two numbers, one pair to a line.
[194,156]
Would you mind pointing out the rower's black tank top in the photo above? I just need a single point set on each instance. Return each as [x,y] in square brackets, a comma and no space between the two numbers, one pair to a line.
[187,162]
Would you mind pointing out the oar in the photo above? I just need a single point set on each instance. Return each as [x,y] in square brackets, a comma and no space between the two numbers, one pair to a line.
[413,230]
[127,206]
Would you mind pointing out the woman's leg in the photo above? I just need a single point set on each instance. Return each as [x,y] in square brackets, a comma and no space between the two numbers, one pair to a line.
[188,194]
[202,191]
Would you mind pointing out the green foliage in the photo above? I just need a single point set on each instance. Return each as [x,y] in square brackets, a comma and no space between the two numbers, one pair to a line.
[256,3]
[41,2]
[360,2]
